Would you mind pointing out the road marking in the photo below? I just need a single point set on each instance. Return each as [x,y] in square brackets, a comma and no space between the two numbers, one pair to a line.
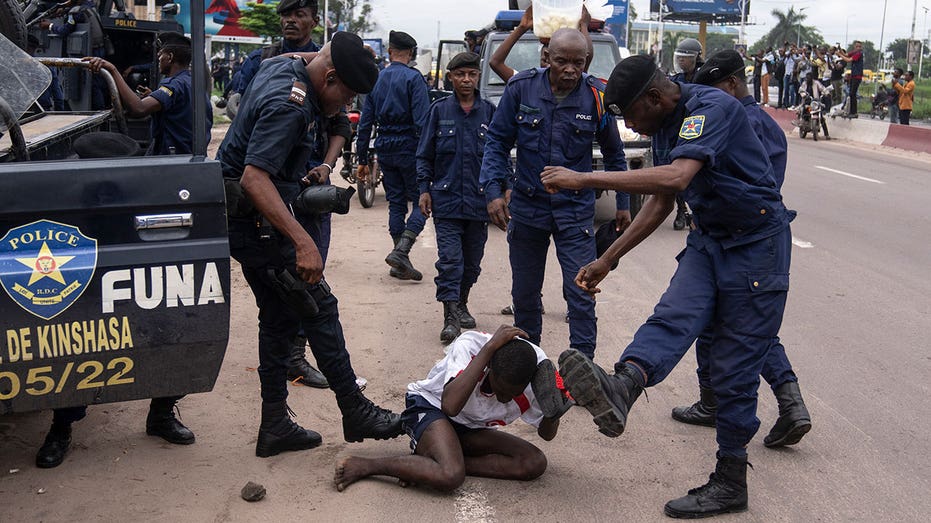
[802,244]
[472,505]
[842,173]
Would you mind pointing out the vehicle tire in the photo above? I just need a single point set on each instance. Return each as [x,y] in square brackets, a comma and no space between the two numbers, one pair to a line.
[636,203]
[802,133]
[12,22]
[366,188]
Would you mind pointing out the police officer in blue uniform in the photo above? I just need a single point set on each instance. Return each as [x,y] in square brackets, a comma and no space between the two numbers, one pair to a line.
[686,62]
[553,115]
[171,106]
[85,12]
[449,159]
[298,19]
[397,108]
[733,275]
[725,70]
[263,158]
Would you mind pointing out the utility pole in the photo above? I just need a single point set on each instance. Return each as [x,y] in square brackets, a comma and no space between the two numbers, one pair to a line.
[921,54]
[743,21]
[882,34]
[798,28]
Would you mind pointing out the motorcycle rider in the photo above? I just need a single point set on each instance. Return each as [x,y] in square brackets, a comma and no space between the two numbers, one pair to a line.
[814,91]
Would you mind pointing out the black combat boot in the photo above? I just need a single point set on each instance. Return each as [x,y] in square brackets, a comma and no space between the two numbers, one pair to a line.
[726,491]
[363,419]
[607,397]
[300,370]
[394,273]
[56,446]
[399,258]
[162,422]
[277,433]
[466,320]
[703,412]
[451,322]
[794,420]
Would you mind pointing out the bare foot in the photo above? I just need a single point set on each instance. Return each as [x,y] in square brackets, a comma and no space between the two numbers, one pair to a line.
[349,470]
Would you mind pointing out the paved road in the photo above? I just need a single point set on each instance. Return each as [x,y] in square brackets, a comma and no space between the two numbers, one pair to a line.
[856,330]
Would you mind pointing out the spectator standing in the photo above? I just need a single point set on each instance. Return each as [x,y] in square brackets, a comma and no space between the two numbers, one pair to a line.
[855,59]
[906,95]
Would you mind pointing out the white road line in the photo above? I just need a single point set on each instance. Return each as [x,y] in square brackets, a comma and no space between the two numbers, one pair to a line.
[802,244]
[842,173]
[472,505]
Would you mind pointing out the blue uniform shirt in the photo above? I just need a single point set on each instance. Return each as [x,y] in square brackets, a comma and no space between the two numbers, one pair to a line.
[548,133]
[398,105]
[243,77]
[771,136]
[76,15]
[449,158]
[734,196]
[273,132]
[173,126]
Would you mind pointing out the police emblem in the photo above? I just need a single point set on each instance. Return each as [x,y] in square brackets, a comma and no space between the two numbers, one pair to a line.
[45,266]
[692,127]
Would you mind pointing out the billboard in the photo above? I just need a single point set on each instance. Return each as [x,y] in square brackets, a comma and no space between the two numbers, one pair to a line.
[697,10]
[221,19]
[616,24]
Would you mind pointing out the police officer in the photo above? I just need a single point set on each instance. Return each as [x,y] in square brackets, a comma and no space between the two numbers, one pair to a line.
[263,159]
[725,70]
[161,420]
[397,107]
[85,12]
[298,19]
[171,106]
[733,275]
[553,115]
[449,158]
[686,61]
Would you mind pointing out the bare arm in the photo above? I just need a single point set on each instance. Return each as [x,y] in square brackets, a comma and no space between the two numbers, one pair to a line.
[501,53]
[262,192]
[664,179]
[548,428]
[456,393]
[133,105]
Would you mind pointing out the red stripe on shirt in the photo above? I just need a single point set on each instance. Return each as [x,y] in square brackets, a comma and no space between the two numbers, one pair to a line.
[522,402]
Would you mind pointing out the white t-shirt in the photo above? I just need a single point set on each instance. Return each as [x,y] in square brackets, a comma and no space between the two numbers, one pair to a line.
[481,410]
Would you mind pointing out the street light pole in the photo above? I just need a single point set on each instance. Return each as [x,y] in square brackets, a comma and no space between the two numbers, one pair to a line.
[743,21]
[921,53]
[882,34]
[798,29]
[847,32]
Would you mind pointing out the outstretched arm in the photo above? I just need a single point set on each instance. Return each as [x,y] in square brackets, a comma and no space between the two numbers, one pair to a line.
[501,53]
[133,105]
[664,179]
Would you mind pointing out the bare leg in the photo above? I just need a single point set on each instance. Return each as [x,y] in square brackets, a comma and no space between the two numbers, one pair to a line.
[437,462]
[495,454]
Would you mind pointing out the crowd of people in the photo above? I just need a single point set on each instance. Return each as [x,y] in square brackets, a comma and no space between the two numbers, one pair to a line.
[714,150]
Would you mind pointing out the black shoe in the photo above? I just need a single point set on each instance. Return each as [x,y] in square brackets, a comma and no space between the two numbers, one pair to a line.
[278,433]
[508,311]
[553,402]
[466,320]
[399,258]
[56,446]
[726,491]
[607,397]
[300,370]
[395,273]
[363,419]
[679,223]
[162,422]
[794,421]
[703,412]
[451,326]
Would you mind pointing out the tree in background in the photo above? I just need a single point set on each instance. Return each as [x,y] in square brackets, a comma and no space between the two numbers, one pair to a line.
[355,15]
[261,19]
[788,28]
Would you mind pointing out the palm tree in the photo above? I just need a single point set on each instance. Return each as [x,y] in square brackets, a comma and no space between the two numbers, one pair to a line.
[787,26]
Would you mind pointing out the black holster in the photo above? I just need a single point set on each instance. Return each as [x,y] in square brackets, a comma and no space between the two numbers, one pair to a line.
[299,295]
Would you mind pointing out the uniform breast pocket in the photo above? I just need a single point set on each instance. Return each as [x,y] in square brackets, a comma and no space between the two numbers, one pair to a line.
[581,135]
[446,141]
[528,130]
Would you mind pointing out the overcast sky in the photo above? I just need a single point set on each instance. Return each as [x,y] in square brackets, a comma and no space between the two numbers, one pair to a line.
[831,17]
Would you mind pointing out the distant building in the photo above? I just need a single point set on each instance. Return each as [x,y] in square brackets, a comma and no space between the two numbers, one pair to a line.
[640,35]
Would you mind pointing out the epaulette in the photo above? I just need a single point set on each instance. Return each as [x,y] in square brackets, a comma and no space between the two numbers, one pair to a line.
[596,82]
[526,73]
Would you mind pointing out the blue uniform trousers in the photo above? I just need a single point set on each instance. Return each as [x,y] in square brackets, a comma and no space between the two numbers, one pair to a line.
[575,247]
[740,293]
[461,245]
[279,322]
[776,368]
[400,181]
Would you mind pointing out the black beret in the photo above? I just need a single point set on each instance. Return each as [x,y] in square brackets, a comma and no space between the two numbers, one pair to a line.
[353,62]
[289,5]
[104,145]
[629,79]
[604,237]
[720,66]
[169,39]
[466,59]
[401,41]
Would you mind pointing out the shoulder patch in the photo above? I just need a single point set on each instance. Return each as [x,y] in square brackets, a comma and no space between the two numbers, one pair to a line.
[692,127]
[166,90]
[298,93]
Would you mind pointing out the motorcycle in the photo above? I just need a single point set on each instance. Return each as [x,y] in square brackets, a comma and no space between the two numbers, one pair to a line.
[366,187]
[809,117]
[880,104]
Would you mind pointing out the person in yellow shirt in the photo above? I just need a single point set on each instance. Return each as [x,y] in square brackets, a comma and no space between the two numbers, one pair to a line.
[906,94]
